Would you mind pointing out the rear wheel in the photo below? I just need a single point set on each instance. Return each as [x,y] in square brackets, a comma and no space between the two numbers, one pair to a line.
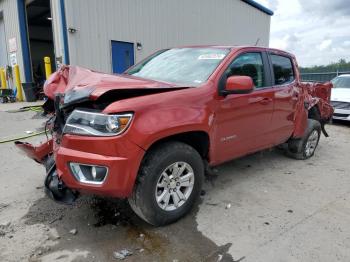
[305,147]
[169,182]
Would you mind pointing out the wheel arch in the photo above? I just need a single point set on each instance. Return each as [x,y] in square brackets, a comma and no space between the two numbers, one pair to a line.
[197,139]
[314,113]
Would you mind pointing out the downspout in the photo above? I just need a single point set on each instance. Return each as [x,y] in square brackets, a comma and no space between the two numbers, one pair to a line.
[64,33]
[23,29]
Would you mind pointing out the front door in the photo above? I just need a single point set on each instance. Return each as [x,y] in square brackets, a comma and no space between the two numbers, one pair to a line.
[244,120]
[122,56]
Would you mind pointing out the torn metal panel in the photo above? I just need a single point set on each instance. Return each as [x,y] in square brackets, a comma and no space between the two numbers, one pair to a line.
[313,94]
[37,153]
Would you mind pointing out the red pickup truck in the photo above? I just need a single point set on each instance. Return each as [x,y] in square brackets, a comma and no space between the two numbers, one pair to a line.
[153,132]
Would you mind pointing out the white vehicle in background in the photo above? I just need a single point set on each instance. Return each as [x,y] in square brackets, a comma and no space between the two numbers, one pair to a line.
[340,98]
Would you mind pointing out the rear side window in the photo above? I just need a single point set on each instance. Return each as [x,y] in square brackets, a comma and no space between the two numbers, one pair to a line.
[282,69]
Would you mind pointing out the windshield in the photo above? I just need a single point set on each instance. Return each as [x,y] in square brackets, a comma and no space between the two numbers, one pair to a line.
[185,66]
[341,82]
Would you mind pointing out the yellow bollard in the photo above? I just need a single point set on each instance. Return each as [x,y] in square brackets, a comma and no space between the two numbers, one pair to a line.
[47,63]
[18,83]
[3,78]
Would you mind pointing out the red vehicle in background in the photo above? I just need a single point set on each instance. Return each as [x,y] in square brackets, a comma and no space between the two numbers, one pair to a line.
[152,133]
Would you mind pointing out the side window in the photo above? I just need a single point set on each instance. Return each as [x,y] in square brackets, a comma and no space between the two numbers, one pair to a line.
[248,64]
[282,69]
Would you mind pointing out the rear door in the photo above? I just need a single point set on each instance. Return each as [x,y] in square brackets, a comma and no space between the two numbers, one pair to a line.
[122,56]
[286,96]
[244,120]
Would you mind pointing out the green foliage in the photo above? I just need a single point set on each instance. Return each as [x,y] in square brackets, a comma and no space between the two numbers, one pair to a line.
[341,66]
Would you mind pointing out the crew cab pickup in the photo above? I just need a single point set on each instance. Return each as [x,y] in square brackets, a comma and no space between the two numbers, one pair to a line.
[152,133]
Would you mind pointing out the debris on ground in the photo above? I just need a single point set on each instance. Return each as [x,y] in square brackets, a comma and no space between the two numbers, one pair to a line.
[211,204]
[240,259]
[228,206]
[56,219]
[6,228]
[122,254]
[141,237]
[73,231]
[290,211]
[53,235]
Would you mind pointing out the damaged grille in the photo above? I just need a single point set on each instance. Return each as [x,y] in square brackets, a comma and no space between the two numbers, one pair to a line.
[59,116]
[340,105]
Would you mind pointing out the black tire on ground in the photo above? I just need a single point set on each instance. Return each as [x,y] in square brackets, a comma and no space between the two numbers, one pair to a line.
[298,148]
[143,199]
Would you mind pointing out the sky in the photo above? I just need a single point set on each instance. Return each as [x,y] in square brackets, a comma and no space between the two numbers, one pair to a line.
[317,32]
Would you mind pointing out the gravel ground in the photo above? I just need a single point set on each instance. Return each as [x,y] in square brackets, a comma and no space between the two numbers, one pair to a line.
[263,207]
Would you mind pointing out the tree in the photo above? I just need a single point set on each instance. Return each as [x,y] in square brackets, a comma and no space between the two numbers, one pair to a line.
[341,66]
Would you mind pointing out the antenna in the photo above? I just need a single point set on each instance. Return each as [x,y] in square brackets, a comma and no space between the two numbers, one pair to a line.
[257,41]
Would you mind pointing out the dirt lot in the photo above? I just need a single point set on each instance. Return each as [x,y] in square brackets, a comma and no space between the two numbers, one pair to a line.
[264,207]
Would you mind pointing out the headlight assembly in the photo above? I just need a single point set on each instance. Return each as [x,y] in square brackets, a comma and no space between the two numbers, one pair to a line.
[96,124]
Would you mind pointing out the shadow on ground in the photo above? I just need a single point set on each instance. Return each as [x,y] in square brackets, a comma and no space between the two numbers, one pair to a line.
[108,225]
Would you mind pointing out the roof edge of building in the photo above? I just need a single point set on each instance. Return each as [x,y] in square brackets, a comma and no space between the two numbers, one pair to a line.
[258,6]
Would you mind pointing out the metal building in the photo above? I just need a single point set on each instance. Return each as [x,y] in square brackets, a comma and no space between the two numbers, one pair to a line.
[110,35]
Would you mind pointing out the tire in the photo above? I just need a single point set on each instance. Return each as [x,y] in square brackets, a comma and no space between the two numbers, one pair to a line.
[305,147]
[157,170]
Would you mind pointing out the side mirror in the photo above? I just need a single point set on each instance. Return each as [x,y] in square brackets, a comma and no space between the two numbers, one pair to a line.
[238,85]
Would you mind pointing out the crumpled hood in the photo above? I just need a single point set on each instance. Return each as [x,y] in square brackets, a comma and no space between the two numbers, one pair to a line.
[77,83]
[341,94]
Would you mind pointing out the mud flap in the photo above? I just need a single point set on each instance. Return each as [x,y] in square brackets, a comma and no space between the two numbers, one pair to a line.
[57,190]
[323,129]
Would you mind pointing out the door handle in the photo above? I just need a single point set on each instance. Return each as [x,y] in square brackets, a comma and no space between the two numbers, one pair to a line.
[265,101]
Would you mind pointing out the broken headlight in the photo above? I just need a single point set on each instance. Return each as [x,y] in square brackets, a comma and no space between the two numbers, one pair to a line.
[96,124]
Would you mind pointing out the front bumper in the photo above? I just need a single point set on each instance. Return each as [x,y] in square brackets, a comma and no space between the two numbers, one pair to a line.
[121,156]
[341,110]
[341,114]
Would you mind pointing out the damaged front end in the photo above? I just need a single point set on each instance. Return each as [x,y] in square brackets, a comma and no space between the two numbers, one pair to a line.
[73,88]
[55,188]
[37,153]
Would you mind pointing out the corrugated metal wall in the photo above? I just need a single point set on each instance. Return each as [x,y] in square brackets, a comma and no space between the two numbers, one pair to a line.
[158,24]
[10,12]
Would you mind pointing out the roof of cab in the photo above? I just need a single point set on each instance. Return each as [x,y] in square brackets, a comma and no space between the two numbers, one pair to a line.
[235,48]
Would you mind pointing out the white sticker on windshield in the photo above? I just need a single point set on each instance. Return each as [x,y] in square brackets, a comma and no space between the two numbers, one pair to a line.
[211,56]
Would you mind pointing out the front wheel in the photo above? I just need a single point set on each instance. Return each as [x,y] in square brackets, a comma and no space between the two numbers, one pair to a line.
[169,182]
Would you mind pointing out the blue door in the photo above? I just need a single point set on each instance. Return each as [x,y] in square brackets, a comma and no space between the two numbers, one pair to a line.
[122,56]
